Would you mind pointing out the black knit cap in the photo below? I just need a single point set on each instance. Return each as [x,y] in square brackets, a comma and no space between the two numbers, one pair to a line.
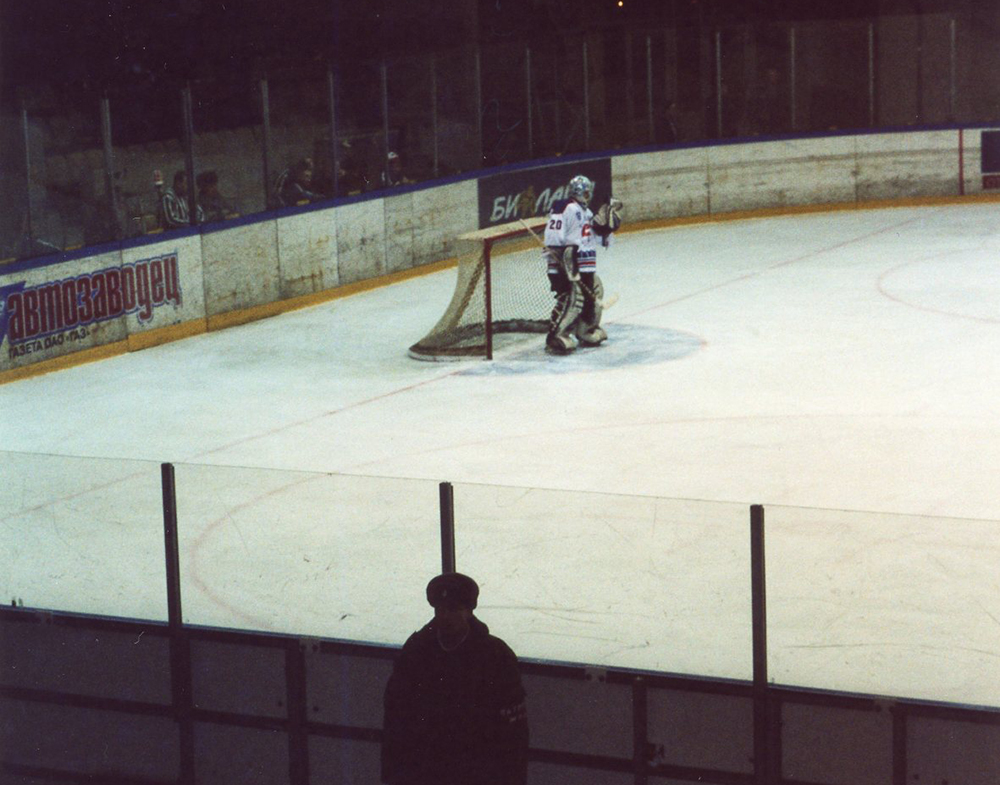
[453,590]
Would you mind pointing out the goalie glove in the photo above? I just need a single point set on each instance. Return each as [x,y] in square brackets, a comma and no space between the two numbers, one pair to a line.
[609,217]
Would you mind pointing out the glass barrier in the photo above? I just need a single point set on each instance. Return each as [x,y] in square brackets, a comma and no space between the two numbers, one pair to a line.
[556,76]
[15,224]
[974,46]
[147,133]
[628,581]
[727,117]
[503,108]
[299,107]
[68,200]
[457,144]
[227,146]
[462,110]
[857,602]
[832,76]
[767,81]
[83,535]
[562,124]
[360,125]
[884,604]
[411,91]
[937,70]
[305,553]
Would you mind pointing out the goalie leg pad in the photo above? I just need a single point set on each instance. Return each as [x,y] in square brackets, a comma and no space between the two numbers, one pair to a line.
[565,314]
[595,336]
[588,326]
[571,262]
[559,344]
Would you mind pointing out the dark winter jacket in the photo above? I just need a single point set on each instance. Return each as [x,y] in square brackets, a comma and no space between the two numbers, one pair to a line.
[455,717]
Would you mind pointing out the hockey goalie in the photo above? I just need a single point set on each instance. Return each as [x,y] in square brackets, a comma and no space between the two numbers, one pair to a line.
[571,262]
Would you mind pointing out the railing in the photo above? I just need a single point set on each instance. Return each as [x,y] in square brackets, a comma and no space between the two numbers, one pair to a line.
[859,602]
[674,606]
[88,166]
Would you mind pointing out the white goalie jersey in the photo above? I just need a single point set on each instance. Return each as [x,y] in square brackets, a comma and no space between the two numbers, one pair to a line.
[570,224]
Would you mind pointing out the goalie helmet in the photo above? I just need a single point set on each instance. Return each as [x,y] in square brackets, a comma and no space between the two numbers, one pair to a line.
[582,189]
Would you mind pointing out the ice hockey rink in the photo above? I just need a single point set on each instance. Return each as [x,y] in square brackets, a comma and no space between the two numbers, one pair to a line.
[841,369]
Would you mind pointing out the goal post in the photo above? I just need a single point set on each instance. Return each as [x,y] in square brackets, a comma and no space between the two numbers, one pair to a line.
[501,289]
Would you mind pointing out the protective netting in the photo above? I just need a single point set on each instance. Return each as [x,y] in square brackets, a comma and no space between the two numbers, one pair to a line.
[509,259]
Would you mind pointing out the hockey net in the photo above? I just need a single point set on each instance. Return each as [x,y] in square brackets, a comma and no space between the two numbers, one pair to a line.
[501,289]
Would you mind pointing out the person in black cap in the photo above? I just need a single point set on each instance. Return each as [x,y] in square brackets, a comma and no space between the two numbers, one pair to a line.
[454,704]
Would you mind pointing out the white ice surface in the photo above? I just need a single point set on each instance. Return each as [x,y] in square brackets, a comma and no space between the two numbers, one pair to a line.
[845,361]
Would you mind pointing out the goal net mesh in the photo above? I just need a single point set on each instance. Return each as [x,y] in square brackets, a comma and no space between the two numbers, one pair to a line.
[501,283]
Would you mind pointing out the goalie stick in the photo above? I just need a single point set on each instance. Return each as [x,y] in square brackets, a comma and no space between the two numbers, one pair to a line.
[575,277]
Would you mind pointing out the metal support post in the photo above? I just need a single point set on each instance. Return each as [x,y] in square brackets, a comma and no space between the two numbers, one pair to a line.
[640,731]
[871,74]
[629,90]
[188,141]
[385,115]
[331,89]
[920,69]
[29,224]
[434,116]
[265,117]
[180,647]
[527,95]
[586,99]
[792,65]
[649,89]
[953,71]
[477,68]
[718,83]
[447,502]
[298,712]
[761,708]
[109,168]
[899,746]
[171,548]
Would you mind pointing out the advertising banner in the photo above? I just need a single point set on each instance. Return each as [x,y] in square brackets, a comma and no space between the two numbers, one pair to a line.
[503,197]
[990,160]
[52,310]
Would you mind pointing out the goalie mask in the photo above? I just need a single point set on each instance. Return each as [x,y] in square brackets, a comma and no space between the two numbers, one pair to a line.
[581,189]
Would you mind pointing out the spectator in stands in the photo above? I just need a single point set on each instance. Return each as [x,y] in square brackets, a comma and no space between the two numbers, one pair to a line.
[392,173]
[454,704]
[665,124]
[351,177]
[210,201]
[175,212]
[769,107]
[295,186]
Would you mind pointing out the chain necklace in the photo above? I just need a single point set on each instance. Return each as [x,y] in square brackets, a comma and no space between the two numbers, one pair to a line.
[451,648]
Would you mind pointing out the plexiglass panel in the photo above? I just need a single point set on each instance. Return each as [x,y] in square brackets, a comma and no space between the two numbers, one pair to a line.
[147,132]
[884,604]
[227,146]
[858,602]
[69,202]
[82,535]
[315,554]
[504,99]
[624,581]
[299,104]
[832,84]
[458,142]
[457,110]
[360,124]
